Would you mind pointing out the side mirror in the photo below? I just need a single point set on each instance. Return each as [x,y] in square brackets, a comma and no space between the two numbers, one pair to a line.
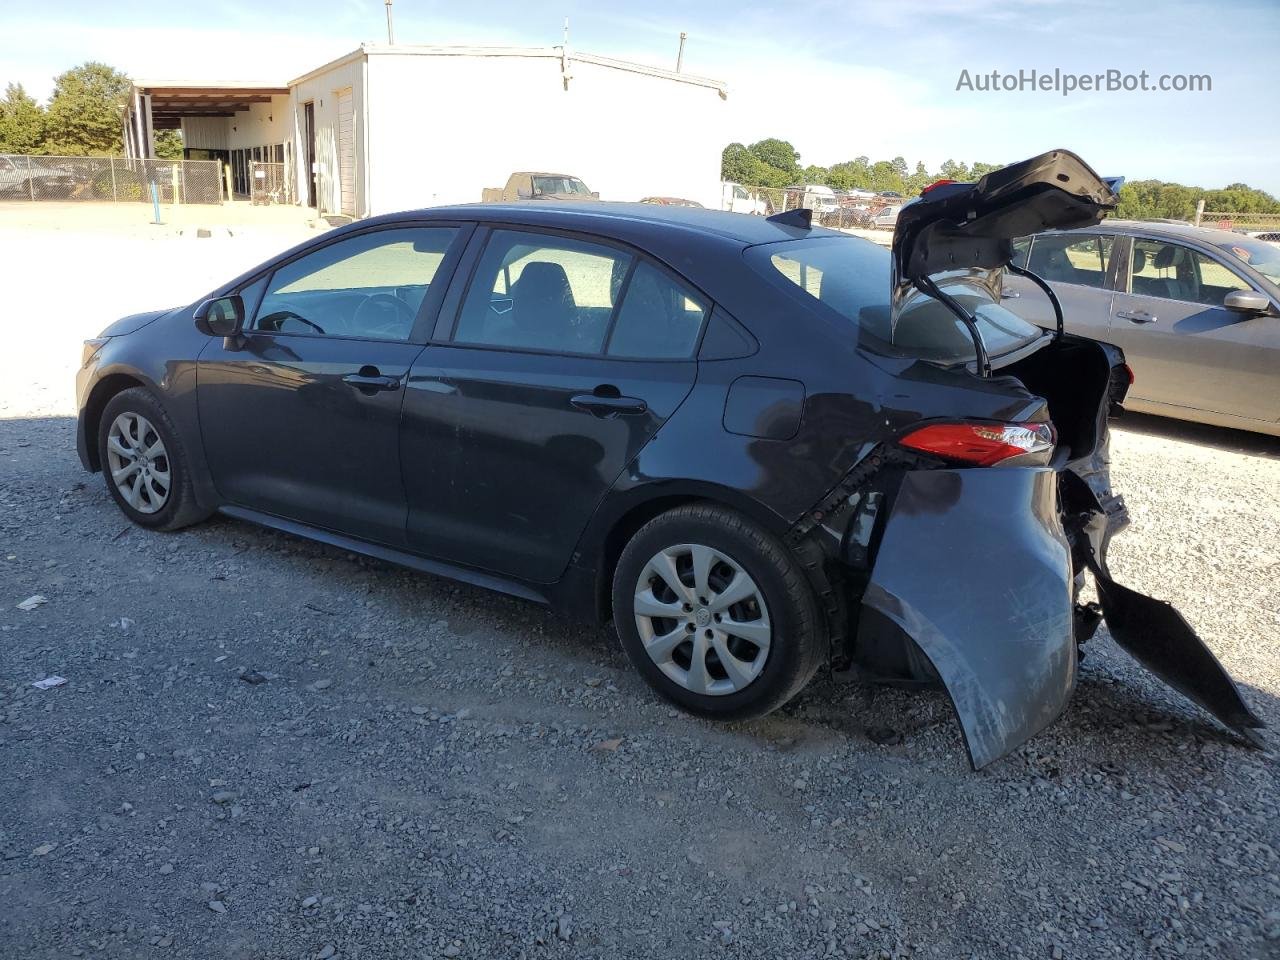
[223,317]
[1246,301]
[595,194]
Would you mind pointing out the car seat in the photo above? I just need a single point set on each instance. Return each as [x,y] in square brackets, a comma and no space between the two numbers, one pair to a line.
[543,308]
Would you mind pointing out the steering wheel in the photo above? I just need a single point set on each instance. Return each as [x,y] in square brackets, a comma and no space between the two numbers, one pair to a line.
[272,321]
[392,326]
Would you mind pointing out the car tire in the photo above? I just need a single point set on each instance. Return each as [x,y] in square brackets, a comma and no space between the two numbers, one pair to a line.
[753,591]
[144,463]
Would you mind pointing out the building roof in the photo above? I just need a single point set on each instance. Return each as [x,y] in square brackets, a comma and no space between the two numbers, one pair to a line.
[171,100]
[557,52]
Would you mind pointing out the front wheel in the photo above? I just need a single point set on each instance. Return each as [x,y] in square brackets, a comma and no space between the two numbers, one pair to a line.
[716,614]
[144,462]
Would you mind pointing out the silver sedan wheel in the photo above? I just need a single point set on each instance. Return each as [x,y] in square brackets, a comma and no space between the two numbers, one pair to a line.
[138,462]
[702,619]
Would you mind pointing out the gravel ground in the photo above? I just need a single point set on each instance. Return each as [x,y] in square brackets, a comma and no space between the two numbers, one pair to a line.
[268,748]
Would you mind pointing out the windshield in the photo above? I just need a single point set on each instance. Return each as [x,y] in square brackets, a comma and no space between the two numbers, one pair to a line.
[850,278]
[1262,256]
[543,185]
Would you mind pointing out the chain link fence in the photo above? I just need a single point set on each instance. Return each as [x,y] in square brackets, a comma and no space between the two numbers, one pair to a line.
[841,209]
[1249,222]
[109,178]
[270,183]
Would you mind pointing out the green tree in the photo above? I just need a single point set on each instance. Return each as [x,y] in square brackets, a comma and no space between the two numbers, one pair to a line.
[885,176]
[918,180]
[778,154]
[979,170]
[22,122]
[85,111]
[953,171]
[850,175]
[813,174]
[168,145]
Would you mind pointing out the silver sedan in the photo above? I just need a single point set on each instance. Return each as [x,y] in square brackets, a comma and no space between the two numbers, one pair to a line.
[1196,311]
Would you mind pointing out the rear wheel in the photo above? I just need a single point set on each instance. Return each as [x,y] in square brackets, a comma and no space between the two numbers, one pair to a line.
[144,463]
[716,614]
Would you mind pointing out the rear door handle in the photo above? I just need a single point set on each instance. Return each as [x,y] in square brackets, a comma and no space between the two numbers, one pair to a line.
[608,407]
[371,383]
[1137,316]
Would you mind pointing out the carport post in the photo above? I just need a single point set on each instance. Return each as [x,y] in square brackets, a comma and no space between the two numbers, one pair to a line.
[226,167]
[114,194]
[31,183]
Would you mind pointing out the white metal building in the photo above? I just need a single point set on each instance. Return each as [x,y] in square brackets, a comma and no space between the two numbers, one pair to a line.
[389,128]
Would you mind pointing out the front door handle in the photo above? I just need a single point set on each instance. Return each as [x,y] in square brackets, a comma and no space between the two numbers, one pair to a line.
[609,407]
[1137,316]
[368,380]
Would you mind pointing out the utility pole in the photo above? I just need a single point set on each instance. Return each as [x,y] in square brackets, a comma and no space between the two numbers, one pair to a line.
[679,56]
[391,34]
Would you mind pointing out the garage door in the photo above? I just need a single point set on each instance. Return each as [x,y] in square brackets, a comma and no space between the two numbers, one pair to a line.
[346,153]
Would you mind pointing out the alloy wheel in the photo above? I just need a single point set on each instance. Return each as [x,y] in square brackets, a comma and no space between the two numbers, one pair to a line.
[702,619]
[138,462]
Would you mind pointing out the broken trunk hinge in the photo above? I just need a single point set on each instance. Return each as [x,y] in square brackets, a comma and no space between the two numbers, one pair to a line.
[926,285]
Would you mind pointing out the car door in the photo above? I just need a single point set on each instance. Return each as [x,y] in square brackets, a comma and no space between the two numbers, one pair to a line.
[300,415]
[1185,348]
[1079,267]
[561,359]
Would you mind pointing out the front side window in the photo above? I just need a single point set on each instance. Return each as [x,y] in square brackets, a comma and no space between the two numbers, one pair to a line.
[1071,258]
[368,286]
[1158,268]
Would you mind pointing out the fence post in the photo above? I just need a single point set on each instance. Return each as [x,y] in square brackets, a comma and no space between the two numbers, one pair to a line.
[173,177]
[115,195]
[230,192]
[1199,210]
[31,184]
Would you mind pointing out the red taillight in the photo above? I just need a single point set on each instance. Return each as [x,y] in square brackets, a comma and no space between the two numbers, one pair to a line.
[1128,372]
[985,444]
[937,183]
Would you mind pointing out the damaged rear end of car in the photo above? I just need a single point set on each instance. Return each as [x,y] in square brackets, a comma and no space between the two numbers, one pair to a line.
[957,548]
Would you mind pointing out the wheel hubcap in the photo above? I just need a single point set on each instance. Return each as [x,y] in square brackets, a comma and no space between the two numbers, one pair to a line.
[702,619]
[138,462]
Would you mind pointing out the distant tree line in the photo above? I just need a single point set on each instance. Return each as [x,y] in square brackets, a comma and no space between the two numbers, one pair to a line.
[81,119]
[776,163]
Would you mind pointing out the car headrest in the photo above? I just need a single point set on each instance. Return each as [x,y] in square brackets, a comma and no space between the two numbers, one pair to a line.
[542,296]
[1167,257]
[1139,260]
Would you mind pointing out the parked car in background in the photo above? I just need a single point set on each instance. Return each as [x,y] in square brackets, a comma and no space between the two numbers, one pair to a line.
[671,202]
[738,199]
[818,197]
[31,178]
[758,446]
[887,218]
[527,185]
[1196,311]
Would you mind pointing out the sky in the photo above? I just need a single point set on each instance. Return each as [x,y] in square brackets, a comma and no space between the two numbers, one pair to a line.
[838,78]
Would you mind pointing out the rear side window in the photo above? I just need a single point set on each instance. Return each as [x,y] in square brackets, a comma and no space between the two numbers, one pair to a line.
[561,295]
[659,318]
[1071,258]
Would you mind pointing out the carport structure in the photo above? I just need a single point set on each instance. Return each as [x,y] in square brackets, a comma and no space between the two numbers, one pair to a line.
[165,105]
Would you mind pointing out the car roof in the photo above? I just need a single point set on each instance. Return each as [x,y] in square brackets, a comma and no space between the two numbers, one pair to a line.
[623,220]
[1183,231]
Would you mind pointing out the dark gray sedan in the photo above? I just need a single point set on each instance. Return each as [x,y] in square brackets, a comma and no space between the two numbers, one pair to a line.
[1196,311]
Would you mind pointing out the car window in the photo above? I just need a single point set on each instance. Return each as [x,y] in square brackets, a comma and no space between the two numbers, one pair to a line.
[539,292]
[659,317]
[1021,250]
[1159,268]
[371,285]
[851,279]
[1071,258]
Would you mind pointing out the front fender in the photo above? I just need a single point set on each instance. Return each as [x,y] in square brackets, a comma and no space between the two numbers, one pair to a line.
[974,567]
